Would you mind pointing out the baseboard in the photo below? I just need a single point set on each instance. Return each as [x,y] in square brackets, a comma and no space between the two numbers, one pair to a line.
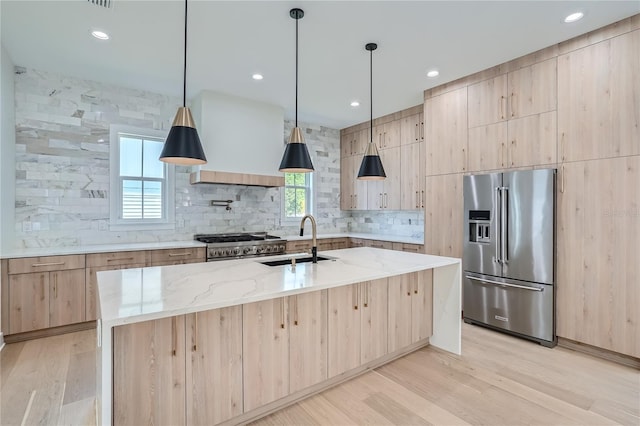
[616,357]
[48,332]
[1,342]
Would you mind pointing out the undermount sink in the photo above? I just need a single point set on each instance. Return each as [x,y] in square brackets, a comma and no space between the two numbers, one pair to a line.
[288,261]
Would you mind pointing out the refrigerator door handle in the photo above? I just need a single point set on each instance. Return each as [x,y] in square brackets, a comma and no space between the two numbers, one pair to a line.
[504,284]
[498,234]
[504,225]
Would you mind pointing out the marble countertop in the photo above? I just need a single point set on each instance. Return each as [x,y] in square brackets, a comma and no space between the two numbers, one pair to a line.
[97,248]
[134,295]
[105,248]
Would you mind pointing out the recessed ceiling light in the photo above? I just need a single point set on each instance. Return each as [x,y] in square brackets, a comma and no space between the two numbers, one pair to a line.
[100,35]
[257,77]
[433,73]
[355,104]
[574,17]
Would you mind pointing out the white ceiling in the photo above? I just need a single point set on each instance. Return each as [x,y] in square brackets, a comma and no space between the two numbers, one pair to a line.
[230,40]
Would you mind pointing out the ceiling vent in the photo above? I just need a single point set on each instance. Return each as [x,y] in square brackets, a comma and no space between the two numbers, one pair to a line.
[102,3]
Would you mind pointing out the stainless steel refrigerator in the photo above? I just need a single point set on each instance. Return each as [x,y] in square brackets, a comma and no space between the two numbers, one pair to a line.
[509,253]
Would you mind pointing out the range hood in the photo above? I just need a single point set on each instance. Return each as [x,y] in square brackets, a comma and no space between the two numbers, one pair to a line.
[242,139]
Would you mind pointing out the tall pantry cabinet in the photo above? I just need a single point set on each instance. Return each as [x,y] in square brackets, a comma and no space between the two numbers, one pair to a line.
[574,106]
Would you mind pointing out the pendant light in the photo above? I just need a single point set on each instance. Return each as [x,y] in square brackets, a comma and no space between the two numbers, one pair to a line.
[296,156]
[371,166]
[183,144]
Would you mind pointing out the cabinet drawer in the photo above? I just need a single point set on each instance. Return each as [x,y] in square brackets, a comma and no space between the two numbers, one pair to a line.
[184,255]
[45,263]
[298,246]
[415,248]
[116,258]
[379,244]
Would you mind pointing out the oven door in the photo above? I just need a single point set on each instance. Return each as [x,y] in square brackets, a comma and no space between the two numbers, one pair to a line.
[519,307]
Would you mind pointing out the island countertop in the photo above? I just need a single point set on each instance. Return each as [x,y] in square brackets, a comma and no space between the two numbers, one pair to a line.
[134,295]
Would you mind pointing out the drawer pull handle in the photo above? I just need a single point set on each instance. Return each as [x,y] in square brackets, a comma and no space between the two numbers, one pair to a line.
[504,284]
[179,254]
[120,259]
[35,265]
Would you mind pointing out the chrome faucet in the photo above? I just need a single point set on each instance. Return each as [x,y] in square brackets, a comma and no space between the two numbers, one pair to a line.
[314,247]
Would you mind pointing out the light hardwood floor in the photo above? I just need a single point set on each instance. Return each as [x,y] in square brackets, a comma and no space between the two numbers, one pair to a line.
[500,380]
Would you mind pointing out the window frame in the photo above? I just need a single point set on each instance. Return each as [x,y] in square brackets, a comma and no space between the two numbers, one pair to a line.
[116,223]
[310,195]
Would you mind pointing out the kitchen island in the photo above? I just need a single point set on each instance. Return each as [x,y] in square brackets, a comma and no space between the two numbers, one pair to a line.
[233,340]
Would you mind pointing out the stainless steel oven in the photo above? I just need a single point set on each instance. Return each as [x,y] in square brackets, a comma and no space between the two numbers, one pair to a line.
[241,245]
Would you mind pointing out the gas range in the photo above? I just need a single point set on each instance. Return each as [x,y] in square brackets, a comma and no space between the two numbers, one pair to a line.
[241,245]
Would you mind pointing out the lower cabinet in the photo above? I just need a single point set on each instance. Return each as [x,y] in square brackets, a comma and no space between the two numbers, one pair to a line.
[159,366]
[265,345]
[410,308]
[45,299]
[357,325]
[149,372]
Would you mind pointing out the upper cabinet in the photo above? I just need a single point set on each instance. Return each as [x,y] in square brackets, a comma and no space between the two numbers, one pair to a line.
[599,100]
[354,143]
[527,91]
[445,118]
[412,129]
[387,135]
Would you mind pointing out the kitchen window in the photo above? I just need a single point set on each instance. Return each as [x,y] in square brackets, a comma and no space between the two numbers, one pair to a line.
[142,186]
[298,195]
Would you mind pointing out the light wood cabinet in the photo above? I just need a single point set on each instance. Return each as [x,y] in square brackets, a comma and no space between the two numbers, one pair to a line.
[307,339]
[527,141]
[410,312]
[443,215]
[412,176]
[387,245]
[149,372]
[386,194]
[598,242]
[353,192]
[527,91]
[446,131]
[50,298]
[28,302]
[412,129]
[344,339]
[265,348]
[354,143]
[177,256]
[66,297]
[598,98]
[214,351]
[387,135]
[302,246]
[373,321]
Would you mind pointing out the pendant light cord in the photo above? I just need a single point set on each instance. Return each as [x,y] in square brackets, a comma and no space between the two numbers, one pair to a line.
[371,94]
[184,70]
[297,19]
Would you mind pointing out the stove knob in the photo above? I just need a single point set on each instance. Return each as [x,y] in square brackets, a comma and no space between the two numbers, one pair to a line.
[227,252]
[259,250]
[236,251]
[246,250]
[281,247]
[213,253]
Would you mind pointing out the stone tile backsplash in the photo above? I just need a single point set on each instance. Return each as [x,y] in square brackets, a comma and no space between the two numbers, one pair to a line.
[62,172]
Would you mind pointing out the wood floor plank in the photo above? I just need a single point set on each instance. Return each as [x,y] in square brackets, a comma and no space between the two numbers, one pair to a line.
[324,412]
[78,413]
[79,384]
[397,413]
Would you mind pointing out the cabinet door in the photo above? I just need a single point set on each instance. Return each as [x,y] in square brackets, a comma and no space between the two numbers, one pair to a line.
[307,339]
[421,305]
[347,144]
[346,183]
[149,372]
[359,186]
[411,129]
[533,89]
[598,242]
[392,190]
[28,302]
[91,290]
[412,176]
[488,147]
[391,134]
[214,365]
[532,140]
[444,209]
[488,101]
[446,132]
[400,302]
[66,297]
[360,142]
[265,348]
[598,95]
[374,322]
[344,329]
